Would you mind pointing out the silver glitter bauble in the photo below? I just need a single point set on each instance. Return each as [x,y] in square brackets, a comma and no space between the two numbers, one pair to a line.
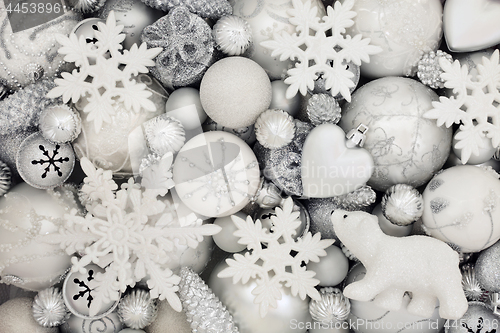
[49,309]
[188,47]
[402,204]
[213,9]
[233,35]
[472,288]
[203,310]
[5,178]
[137,310]
[164,134]
[274,129]
[359,199]
[487,268]
[333,306]
[323,109]
[86,6]
[60,123]
[429,71]
[478,319]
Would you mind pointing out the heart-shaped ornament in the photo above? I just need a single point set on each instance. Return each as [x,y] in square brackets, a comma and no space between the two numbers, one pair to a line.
[471,25]
[329,168]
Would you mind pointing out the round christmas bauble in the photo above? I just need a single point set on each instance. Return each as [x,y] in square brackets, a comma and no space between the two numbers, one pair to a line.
[108,324]
[280,102]
[196,259]
[367,317]
[225,239]
[114,147]
[290,316]
[134,15]
[246,133]
[404,29]
[478,319]
[320,210]
[487,268]
[406,147]
[484,153]
[267,17]
[169,321]
[129,330]
[29,53]
[332,269]
[186,106]
[216,174]
[460,207]
[390,228]
[235,91]
[27,214]
[16,317]
[87,29]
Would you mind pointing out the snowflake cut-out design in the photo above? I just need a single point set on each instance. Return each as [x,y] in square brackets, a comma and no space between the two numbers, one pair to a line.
[129,232]
[475,106]
[321,54]
[51,160]
[275,259]
[104,73]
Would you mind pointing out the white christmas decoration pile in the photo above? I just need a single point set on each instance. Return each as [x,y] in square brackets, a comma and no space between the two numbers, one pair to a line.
[323,54]
[476,104]
[279,261]
[133,231]
[105,73]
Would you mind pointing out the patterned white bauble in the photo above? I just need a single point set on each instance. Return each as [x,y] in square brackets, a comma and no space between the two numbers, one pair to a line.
[109,324]
[16,316]
[478,319]
[26,215]
[406,148]
[267,17]
[367,317]
[115,146]
[290,316]
[216,174]
[404,29]
[461,206]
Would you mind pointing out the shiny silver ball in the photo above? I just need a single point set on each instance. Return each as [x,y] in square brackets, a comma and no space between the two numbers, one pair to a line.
[49,309]
[333,306]
[137,310]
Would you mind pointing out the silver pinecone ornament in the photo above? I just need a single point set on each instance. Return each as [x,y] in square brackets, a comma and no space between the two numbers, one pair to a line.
[358,199]
[203,310]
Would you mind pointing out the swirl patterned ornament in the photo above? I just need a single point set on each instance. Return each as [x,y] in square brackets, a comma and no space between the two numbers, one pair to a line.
[109,324]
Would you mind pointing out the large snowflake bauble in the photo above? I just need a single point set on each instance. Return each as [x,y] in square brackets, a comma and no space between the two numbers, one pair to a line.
[104,73]
[321,54]
[131,233]
[275,259]
[475,105]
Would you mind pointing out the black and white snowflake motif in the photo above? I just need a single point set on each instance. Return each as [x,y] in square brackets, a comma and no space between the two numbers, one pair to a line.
[86,289]
[479,327]
[51,160]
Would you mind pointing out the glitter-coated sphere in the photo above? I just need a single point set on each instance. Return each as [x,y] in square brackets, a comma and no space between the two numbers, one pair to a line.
[332,269]
[405,147]
[225,239]
[239,300]
[235,91]
[16,316]
[370,318]
[34,265]
[487,268]
[478,318]
[404,29]
[216,174]
[461,206]
[265,18]
[111,148]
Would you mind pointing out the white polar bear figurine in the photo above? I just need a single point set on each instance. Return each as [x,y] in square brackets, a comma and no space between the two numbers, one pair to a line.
[424,266]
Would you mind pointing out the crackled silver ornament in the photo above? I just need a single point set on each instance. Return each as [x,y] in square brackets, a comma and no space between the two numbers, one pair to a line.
[233,35]
[44,164]
[49,309]
[188,47]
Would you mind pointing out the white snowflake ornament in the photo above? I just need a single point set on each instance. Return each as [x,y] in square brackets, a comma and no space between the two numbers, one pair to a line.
[130,233]
[475,105]
[104,73]
[321,54]
[279,261]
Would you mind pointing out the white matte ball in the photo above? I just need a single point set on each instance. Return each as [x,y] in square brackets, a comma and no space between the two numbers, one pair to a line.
[187,99]
[279,100]
[16,316]
[225,239]
[235,91]
[332,269]
[390,228]
[169,321]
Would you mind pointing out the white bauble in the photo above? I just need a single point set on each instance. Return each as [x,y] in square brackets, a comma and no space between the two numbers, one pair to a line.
[406,147]
[331,269]
[267,17]
[108,324]
[485,151]
[461,206]
[184,105]
[390,228]
[26,215]
[225,239]
[404,29]
[16,316]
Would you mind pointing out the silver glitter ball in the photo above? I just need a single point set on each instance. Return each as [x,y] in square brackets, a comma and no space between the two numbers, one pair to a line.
[137,310]
[487,268]
[333,306]
[323,109]
[478,319]
[429,71]
[49,309]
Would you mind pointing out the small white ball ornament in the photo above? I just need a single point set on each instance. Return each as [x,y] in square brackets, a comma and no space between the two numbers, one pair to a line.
[225,239]
[233,35]
[184,104]
[279,100]
[332,269]
[274,129]
[235,91]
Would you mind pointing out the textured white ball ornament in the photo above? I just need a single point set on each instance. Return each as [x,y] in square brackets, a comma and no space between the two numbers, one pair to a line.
[332,269]
[189,100]
[461,206]
[26,215]
[16,316]
[404,29]
[235,91]
[225,239]
[406,148]
[290,312]
[109,324]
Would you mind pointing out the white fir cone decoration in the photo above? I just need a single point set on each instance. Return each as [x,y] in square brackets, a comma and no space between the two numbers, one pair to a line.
[274,129]
[164,134]
[233,35]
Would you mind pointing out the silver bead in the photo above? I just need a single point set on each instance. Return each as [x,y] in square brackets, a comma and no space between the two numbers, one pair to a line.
[333,306]
[49,309]
[137,310]
[33,72]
